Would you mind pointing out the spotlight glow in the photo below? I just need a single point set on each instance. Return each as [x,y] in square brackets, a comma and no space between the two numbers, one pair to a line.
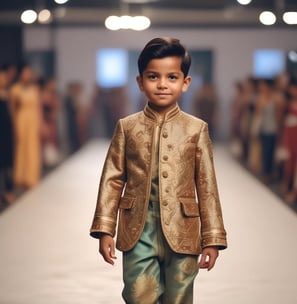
[45,16]
[137,23]
[61,1]
[29,16]
[290,18]
[292,56]
[244,2]
[140,23]
[113,23]
[126,22]
[267,18]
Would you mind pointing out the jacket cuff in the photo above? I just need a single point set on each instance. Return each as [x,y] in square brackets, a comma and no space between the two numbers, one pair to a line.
[101,226]
[220,243]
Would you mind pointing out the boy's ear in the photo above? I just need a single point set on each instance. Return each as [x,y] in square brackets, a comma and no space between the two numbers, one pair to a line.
[139,82]
[187,82]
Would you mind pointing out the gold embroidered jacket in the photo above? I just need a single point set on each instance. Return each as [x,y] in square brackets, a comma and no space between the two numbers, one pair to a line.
[190,209]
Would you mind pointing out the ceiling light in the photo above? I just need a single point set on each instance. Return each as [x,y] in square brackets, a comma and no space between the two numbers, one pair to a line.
[290,17]
[244,2]
[113,23]
[45,16]
[61,1]
[126,22]
[267,18]
[292,56]
[137,23]
[29,16]
[140,23]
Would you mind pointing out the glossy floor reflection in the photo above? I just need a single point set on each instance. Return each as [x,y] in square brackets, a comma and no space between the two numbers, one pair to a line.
[47,256]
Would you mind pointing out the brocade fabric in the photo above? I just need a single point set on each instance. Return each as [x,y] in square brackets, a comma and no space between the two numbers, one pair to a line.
[190,209]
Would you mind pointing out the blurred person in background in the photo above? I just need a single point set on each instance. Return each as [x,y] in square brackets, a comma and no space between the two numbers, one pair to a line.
[75,117]
[50,109]
[205,106]
[280,91]
[115,105]
[6,142]
[11,73]
[25,103]
[247,110]
[96,119]
[236,115]
[268,115]
[289,183]
[281,83]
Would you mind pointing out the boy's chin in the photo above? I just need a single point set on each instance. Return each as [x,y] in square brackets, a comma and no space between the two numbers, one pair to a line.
[162,105]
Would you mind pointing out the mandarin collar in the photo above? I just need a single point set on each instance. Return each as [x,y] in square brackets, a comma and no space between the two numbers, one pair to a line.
[152,114]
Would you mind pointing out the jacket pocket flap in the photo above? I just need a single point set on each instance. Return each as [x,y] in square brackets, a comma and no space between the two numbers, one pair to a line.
[189,207]
[126,202]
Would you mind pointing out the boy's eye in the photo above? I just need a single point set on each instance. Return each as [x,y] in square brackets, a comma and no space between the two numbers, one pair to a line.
[152,76]
[172,77]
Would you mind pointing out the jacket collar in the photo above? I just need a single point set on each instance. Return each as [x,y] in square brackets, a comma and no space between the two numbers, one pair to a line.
[150,113]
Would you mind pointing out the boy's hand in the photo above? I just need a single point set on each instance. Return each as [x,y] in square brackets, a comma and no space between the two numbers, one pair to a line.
[107,248]
[208,258]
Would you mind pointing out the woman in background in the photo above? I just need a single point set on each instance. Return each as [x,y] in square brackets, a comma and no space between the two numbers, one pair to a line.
[27,121]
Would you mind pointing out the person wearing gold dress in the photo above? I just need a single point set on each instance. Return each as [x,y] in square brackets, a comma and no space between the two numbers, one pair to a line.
[26,113]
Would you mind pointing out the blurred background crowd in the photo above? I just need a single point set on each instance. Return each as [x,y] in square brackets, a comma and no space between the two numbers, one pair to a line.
[30,115]
[79,74]
[264,131]
[40,127]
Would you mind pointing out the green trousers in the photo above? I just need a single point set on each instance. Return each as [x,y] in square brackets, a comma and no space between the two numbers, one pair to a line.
[153,273]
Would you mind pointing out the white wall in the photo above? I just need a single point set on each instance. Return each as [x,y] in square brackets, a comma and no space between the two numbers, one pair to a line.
[233,52]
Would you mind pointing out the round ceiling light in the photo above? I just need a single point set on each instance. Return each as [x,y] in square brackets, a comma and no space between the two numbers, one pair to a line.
[292,56]
[244,2]
[61,1]
[28,16]
[45,16]
[290,18]
[137,23]
[140,23]
[267,18]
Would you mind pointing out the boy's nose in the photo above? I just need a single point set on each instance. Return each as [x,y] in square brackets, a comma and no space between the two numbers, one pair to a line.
[162,83]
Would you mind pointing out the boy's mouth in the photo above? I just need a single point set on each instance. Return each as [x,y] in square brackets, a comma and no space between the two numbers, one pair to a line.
[162,94]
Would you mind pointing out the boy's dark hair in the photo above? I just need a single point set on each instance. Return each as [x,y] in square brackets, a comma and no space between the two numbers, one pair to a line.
[164,47]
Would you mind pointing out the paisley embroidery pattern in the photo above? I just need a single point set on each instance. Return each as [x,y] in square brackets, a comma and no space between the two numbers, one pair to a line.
[186,171]
[145,289]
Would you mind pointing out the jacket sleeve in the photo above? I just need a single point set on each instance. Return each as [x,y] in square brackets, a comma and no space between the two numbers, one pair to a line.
[212,227]
[111,186]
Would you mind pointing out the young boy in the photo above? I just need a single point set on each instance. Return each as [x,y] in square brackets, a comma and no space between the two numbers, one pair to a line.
[159,175]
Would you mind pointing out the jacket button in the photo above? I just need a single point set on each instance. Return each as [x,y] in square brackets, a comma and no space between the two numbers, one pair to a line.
[167,189]
[165,203]
[165,174]
[165,134]
[165,157]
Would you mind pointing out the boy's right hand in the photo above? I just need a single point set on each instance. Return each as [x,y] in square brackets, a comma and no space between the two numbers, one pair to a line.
[107,248]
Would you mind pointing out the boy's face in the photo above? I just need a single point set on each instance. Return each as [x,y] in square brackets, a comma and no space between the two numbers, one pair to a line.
[163,82]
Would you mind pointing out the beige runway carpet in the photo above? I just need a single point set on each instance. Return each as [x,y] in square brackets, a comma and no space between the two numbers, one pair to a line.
[47,256]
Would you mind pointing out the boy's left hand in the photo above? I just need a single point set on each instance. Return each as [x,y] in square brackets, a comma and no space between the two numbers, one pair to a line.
[208,258]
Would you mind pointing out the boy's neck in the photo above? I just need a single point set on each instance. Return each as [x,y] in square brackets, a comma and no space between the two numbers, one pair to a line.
[162,111]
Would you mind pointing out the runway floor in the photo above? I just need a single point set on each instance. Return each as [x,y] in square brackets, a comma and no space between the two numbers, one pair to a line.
[47,256]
